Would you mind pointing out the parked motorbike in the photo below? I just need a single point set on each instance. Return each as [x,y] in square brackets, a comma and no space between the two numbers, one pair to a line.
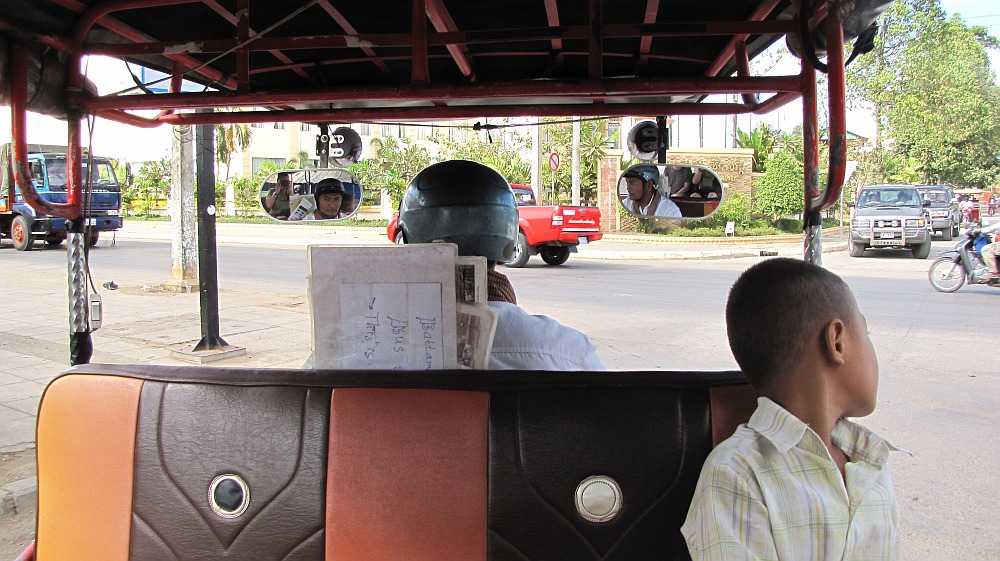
[952,268]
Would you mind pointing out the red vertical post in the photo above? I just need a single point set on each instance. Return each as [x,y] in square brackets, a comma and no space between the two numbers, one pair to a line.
[813,249]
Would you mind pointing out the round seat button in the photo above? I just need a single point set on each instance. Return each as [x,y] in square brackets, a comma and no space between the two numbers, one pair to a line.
[598,498]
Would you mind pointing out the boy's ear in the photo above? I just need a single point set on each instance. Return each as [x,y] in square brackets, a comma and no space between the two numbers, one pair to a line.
[834,341]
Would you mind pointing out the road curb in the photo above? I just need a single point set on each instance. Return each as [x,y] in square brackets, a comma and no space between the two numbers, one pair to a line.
[15,495]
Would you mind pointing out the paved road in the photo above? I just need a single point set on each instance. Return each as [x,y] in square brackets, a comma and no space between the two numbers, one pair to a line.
[938,394]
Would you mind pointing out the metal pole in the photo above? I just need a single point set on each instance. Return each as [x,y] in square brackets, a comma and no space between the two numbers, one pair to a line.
[208,265]
[81,346]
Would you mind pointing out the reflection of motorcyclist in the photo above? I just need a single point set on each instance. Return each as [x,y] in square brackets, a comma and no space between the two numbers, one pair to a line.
[473,206]
[990,251]
[644,197]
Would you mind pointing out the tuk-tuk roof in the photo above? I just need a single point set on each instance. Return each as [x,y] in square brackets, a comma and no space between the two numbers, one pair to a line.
[360,60]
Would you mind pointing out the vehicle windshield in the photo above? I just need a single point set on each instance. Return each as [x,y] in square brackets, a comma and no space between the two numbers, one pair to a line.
[935,196]
[908,197]
[103,177]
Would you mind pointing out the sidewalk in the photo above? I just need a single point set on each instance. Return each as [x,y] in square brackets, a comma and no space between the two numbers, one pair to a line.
[157,327]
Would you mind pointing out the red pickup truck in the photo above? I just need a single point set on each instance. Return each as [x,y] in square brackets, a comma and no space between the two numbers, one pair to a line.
[550,231]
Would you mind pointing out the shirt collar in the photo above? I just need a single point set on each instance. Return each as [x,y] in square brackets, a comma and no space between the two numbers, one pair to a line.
[785,431]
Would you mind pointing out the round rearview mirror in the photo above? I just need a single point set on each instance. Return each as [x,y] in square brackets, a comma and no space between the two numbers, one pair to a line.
[643,140]
[345,146]
[675,191]
[297,195]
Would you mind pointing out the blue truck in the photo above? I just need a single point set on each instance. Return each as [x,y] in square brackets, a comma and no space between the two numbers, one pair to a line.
[24,225]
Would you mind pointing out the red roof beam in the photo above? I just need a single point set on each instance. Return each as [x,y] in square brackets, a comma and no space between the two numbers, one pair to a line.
[590,88]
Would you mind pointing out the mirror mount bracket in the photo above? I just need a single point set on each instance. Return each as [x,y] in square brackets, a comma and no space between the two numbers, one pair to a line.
[663,139]
[324,156]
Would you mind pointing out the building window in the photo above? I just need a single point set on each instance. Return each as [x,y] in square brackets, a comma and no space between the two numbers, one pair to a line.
[386,131]
[402,131]
[305,127]
[257,125]
[279,125]
[363,129]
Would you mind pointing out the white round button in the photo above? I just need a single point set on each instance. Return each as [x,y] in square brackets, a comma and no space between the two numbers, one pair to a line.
[598,498]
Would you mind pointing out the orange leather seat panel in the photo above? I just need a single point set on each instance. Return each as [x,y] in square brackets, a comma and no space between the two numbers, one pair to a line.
[407,475]
[86,447]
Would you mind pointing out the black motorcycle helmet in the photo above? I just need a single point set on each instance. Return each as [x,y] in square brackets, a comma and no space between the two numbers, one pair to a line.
[461,202]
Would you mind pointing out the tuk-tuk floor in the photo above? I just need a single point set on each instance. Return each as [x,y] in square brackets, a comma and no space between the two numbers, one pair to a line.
[17,520]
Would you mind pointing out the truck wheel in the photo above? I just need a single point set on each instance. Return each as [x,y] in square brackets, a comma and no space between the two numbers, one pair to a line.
[400,238]
[855,249]
[554,254]
[93,237]
[956,230]
[521,252]
[946,234]
[922,251]
[20,233]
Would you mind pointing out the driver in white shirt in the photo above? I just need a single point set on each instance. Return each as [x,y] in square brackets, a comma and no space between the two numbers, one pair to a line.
[473,206]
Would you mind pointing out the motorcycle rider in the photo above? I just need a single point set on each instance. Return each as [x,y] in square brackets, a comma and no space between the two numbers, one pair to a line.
[473,206]
[990,252]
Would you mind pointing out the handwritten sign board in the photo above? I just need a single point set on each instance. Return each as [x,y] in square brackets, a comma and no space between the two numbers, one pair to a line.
[396,325]
[389,307]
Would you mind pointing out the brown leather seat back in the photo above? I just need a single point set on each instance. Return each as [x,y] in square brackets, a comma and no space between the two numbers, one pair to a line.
[373,465]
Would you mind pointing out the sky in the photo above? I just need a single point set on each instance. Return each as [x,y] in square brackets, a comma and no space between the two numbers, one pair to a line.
[140,145]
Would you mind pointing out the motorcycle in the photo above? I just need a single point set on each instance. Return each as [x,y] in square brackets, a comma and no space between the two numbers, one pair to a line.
[952,268]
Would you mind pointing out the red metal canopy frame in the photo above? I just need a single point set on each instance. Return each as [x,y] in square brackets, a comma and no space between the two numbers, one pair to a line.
[455,67]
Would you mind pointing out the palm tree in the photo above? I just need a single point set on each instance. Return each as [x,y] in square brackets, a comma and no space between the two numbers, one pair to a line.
[228,139]
[762,143]
[301,161]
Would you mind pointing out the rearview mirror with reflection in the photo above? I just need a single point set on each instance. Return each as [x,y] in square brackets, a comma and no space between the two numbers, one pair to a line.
[296,195]
[675,191]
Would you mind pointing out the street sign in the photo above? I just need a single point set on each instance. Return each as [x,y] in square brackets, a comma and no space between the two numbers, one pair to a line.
[553,161]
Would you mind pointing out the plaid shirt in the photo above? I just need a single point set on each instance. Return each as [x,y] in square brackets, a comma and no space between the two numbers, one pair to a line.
[772,491]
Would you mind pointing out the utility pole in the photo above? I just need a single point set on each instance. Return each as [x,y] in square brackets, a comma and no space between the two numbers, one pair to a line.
[576,162]
[536,160]
[181,208]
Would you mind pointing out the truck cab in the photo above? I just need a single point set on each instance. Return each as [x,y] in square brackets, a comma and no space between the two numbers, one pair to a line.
[47,166]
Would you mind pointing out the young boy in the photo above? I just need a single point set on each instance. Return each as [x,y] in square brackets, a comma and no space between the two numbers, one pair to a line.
[798,481]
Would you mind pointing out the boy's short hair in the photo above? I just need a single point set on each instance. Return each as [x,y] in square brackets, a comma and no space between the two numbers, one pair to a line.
[776,308]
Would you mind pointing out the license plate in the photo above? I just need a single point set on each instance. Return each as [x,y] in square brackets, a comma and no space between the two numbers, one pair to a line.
[583,240]
[887,242]
[886,235]
[91,222]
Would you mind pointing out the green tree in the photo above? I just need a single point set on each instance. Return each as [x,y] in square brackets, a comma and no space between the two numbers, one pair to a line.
[152,182]
[761,140]
[300,161]
[779,192]
[558,138]
[394,165]
[228,139]
[932,90]
[504,155]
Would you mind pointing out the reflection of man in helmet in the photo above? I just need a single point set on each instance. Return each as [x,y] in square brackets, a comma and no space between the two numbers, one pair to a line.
[332,201]
[643,197]
[473,206]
